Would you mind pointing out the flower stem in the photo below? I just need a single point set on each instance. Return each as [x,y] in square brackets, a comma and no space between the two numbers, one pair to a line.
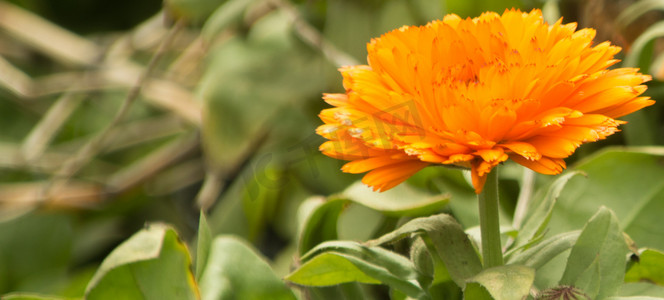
[488,202]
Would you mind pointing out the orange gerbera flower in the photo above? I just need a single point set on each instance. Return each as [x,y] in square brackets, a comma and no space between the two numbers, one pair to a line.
[474,93]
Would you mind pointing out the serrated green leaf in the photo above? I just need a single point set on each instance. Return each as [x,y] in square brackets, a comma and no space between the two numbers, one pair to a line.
[597,261]
[402,200]
[502,283]
[322,266]
[203,242]
[236,271]
[129,271]
[648,268]
[450,241]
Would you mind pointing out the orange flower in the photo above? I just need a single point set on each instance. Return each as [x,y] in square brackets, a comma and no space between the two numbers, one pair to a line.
[474,93]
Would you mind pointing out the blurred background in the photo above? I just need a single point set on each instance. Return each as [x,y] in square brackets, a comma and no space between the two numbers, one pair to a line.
[118,113]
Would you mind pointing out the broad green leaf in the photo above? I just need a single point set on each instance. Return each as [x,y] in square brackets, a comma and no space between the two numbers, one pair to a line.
[545,251]
[152,264]
[318,219]
[236,271]
[402,200]
[450,241]
[203,242]
[535,226]
[648,268]
[29,296]
[502,283]
[597,261]
[322,266]
[328,269]
[629,181]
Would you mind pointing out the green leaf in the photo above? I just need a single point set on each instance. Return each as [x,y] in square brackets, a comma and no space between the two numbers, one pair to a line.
[450,241]
[203,242]
[318,221]
[597,261]
[323,266]
[152,264]
[648,268]
[641,289]
[545,251]
[534,227]
[502,283]
[402,200]
[235,271]
[629,181]
[329,268]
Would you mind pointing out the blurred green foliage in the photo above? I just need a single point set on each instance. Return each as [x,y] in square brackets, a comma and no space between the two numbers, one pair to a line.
[224,125]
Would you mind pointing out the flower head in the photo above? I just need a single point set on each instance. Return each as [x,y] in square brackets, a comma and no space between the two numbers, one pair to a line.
[474,93]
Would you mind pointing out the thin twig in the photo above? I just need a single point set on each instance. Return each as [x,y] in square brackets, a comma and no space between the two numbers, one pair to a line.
[96,144]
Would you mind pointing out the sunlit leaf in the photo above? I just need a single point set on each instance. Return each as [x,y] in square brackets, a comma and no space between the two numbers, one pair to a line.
[648,268]
[152,264]
[236,271]
[501,283]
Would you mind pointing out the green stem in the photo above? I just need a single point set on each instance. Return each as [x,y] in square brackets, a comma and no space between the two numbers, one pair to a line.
[489,225]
